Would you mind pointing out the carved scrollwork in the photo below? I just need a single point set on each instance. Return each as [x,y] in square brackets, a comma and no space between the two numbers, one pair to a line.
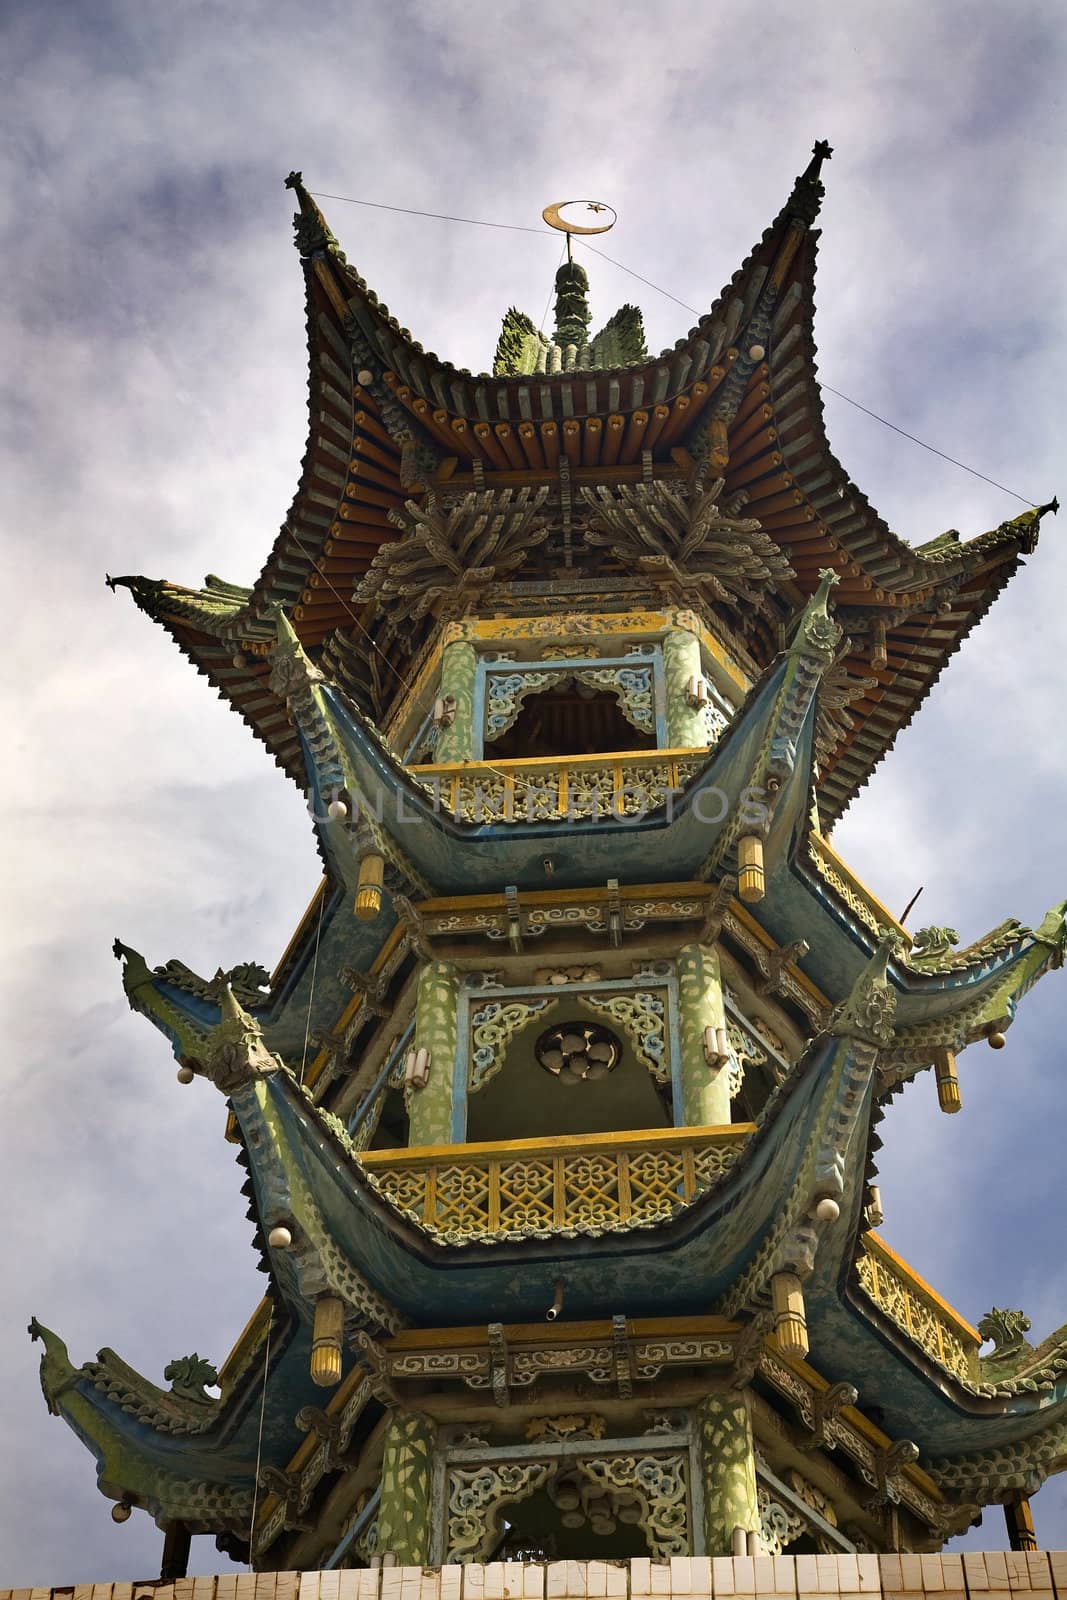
[642,1016]
[476,1498]
[780,1525]
[556,1429]
[660,1484]
[506,692]
[493,1026]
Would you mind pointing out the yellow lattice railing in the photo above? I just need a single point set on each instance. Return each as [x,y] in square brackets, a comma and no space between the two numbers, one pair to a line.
[902,1296]
[547,788]
[592,1183]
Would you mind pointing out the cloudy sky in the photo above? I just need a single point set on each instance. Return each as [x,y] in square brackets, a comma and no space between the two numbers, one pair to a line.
[152,325]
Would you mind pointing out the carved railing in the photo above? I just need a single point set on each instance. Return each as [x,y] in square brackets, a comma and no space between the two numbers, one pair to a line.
[902,1296]
[533,1188]
[556,788]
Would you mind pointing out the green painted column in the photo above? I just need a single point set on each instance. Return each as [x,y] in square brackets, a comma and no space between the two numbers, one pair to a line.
[459,664]
[728,1466]
[705,1090]
[430,1109]
[405,1512]
[686,726]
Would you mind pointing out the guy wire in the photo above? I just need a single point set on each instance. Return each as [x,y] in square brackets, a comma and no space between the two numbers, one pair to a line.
[259,1440]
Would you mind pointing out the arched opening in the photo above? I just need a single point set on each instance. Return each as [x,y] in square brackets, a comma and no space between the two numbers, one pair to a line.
[556,1523]
[571,719]
[523,1098]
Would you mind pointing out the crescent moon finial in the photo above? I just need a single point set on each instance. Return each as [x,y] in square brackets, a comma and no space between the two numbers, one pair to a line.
[597,209]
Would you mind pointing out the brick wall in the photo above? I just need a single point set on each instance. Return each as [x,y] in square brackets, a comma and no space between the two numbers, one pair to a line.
[972,1576]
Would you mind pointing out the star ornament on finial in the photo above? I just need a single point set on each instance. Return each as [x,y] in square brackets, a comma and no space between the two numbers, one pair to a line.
[295,180]
[822,150]
[562,216]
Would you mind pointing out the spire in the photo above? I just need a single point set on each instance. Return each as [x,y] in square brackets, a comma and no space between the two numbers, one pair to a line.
[312,236]
[868,1009]
[572,305]
[808,190]
[292,671]
[1030,523]
[234,1053]
[145,591]
[817,632]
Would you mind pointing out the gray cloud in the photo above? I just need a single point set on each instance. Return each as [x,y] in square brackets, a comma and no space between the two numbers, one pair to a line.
[152,322]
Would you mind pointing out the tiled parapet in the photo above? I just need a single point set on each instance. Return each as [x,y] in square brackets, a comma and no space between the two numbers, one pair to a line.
[993,1575]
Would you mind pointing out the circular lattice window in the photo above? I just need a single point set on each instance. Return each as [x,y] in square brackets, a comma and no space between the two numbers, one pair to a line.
[578,1052]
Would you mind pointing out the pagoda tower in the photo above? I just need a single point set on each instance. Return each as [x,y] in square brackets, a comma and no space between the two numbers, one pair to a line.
[569,1209]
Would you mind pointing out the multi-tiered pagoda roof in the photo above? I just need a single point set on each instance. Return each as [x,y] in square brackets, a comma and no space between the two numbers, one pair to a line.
[671,547]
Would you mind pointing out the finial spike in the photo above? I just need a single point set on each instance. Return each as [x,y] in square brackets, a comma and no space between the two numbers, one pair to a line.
[284,632]
[808,190]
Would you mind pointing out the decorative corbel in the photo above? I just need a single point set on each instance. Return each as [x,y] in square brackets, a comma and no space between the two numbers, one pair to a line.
[286,1485]
[336,1044]
[373,987]
[326,1428]
[774,964]
[827,1405]
[372,1358]
[614,910]
[498,1363]
[514,916]
[889,1466]
[717,908]
[622,1356]
[415,926]
[749,1347]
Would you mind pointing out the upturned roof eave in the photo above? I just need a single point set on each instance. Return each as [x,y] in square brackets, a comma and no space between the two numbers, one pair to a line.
[340,513]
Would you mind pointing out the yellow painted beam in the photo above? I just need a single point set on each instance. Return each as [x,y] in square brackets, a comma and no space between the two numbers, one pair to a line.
[574,1143]
[559,1333]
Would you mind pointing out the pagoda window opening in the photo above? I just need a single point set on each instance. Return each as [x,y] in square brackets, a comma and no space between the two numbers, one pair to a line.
[557,1523]
[533,1095]
[573,701]
[570,720]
